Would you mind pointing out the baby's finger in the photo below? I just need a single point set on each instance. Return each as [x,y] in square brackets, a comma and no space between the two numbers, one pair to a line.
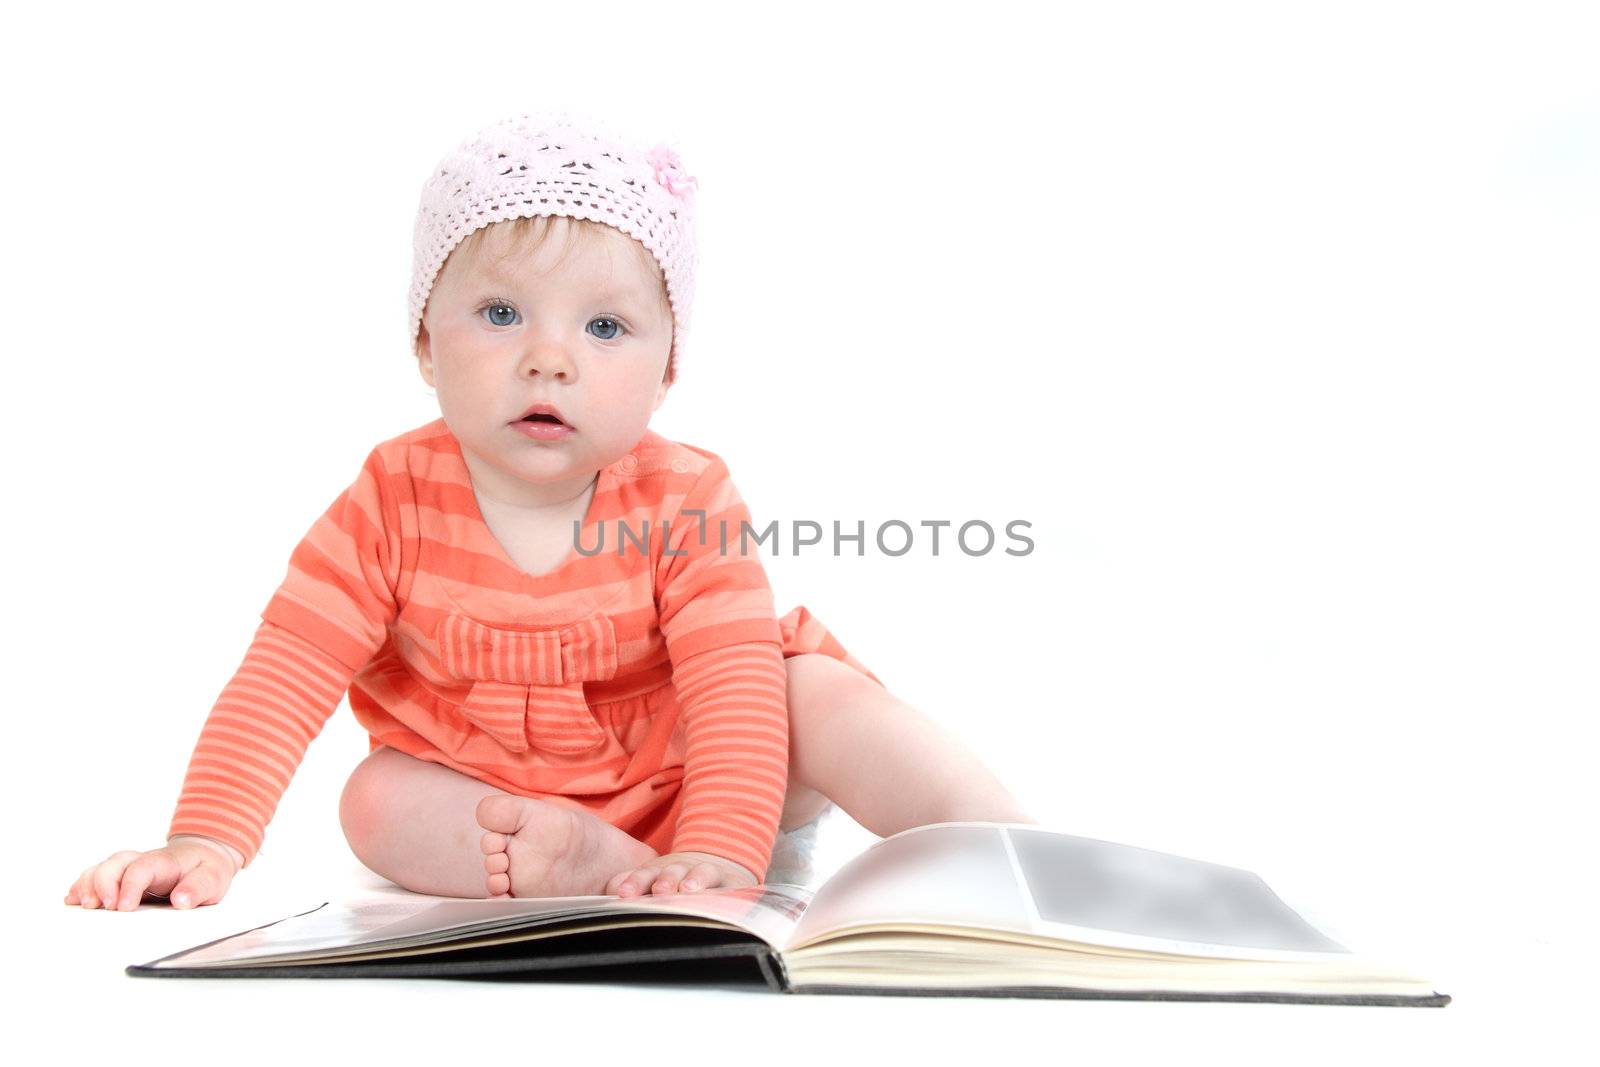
[634,881]
[152,873]
[80,888]
[202,885]
[107,876]
[667,881]
[704,876]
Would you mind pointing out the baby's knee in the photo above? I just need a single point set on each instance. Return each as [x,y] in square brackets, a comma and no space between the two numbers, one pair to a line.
[362,802]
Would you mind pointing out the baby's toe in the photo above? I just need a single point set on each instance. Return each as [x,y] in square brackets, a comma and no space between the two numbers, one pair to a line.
[498,884]
[496,863]
[492,842]
[502,813]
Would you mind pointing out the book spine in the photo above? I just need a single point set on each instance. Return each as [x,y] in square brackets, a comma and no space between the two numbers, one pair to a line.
[773,970]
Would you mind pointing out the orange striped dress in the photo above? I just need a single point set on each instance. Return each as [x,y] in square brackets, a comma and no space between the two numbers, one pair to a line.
[645,686]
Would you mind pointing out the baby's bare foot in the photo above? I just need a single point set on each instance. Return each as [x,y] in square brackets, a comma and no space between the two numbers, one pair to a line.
[538,849]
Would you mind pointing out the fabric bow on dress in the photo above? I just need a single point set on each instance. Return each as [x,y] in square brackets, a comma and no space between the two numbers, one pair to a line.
[527,687]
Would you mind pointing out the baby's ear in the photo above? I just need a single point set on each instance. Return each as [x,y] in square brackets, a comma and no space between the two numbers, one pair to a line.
[424,354]
[666,383]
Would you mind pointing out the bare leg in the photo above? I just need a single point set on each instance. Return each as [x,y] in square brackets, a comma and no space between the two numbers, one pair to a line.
[884,762]
[423,826]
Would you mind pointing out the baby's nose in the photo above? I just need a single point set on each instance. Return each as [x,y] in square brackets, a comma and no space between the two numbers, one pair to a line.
[549,358]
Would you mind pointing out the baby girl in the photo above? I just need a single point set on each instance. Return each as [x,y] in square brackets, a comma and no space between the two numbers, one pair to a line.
[545,615]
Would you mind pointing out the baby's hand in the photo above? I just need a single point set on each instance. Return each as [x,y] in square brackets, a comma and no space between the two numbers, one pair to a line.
[680,872]
[191,871]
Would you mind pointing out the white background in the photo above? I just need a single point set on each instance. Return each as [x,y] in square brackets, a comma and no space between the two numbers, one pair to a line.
[1277,323]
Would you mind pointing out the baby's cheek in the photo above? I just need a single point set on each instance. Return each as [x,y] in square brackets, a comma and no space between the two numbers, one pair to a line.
[622,402]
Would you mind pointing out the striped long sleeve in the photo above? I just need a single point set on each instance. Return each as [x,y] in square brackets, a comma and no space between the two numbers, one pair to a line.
[255,737]
[321,626]
[723,639]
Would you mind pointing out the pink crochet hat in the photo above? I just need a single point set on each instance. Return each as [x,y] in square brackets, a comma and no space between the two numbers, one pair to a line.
[558,163]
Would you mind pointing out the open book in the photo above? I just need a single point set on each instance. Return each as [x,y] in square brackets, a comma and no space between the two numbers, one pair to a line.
[967,908]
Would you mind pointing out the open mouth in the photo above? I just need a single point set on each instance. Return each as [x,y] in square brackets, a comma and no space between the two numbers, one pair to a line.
[543,422]
[543,414]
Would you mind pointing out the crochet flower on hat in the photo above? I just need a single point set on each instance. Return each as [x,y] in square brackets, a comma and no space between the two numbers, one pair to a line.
[670,172]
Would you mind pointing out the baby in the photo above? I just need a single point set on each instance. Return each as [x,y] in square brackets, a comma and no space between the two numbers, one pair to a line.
[545,616]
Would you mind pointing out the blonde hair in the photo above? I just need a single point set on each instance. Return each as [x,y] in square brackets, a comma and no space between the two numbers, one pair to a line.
[526,234]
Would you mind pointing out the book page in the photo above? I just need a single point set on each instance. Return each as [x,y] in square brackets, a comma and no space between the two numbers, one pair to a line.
[1084,889]
[1024,879]
[334,927]
[956,874]
[333,930]
[767,911]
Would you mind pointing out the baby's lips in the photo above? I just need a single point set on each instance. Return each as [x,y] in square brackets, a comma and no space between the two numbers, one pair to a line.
[543,408]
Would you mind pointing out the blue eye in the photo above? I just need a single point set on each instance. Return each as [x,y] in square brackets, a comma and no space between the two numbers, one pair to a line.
[500,313]
[499,307]
[616,328]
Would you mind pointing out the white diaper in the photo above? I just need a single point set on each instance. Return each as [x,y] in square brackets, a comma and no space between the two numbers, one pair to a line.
[792,852]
